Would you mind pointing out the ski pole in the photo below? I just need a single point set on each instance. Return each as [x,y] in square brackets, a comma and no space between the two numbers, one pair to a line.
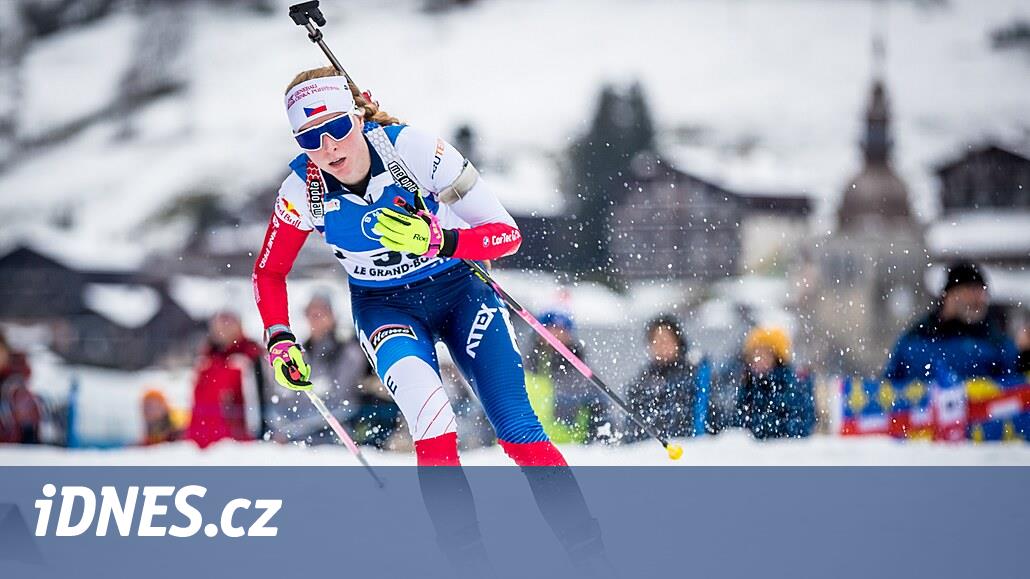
[341,432]
[675,451]
[302,15]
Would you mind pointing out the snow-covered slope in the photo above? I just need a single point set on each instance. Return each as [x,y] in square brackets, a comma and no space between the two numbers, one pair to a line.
[789,78]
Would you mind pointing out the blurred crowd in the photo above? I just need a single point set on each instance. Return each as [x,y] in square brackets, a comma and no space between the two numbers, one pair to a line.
[677,392]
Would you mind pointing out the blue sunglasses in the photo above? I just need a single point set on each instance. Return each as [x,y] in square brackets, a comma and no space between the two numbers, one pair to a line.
[338,128]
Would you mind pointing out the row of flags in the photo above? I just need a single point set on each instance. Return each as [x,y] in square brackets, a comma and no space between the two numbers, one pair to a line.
[979,409]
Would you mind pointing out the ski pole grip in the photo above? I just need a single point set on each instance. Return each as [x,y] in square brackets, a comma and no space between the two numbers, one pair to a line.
[303,12]
[400,202]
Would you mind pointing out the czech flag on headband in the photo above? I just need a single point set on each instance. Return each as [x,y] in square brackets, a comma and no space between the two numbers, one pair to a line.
[314,109]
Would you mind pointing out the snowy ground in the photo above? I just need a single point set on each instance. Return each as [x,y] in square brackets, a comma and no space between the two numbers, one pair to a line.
[727,449]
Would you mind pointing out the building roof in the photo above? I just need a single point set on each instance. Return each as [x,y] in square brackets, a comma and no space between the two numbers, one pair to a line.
[1018,151]
[76,253]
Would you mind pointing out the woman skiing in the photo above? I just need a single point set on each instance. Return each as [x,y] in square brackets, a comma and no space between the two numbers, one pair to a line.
[358,183]
[408,286]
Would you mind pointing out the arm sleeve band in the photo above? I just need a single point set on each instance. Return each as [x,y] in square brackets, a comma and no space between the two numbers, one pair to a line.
[464,183]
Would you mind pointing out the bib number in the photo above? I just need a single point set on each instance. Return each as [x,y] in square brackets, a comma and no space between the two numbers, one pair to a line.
[391,258]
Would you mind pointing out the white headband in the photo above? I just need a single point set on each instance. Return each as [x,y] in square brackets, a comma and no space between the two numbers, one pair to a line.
[318,97]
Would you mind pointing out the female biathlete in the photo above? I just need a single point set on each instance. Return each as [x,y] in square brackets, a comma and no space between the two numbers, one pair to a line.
[409,289]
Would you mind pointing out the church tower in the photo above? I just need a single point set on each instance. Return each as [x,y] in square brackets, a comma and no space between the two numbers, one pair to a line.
[866,277]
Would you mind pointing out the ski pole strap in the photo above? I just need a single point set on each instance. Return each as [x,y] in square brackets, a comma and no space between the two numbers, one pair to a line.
[463,183]
[392,161]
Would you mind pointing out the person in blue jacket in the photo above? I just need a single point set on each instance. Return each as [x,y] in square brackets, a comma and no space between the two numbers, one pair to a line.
[956,340]
[772,402]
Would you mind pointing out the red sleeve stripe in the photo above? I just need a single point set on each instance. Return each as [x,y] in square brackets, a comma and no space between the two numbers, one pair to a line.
[282,244]
[488,241]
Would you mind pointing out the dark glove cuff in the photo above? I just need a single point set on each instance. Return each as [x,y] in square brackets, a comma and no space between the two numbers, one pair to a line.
[450,243]
[284,336]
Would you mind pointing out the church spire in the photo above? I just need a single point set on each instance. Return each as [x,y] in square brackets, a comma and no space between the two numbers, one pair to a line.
[876,144]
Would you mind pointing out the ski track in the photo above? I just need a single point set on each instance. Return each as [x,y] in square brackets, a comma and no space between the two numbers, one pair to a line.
[734,448]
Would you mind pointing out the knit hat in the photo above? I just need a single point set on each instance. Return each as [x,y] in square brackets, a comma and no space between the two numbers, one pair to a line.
[773,338]
[964,273]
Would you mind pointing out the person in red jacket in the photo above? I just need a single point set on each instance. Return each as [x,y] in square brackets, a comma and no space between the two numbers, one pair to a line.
[14,369]
[227,400]
[20,411]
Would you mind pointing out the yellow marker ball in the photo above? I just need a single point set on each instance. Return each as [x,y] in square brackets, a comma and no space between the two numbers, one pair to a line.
[675,451]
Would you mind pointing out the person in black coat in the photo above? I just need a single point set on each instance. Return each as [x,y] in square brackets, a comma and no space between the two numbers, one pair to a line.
[957,340]
[665,391]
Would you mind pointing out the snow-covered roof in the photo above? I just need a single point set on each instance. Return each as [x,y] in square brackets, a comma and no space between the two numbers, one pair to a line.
[129,306]
[981,234]
[77,251]
[758,172]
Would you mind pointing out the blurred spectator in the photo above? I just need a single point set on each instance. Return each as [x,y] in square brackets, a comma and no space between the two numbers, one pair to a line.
[20,411]
[474,430]
[374,417]
[14,368]
[771,402]
[344,379]
[20,416]
[157,419]
[568,407]
[1023,344]
[666,391]
[226,396]
[956,340]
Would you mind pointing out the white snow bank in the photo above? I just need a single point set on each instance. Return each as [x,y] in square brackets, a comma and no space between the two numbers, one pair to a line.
[527,186]
[981,234]
[127,305]
[727,449]
[590,303]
